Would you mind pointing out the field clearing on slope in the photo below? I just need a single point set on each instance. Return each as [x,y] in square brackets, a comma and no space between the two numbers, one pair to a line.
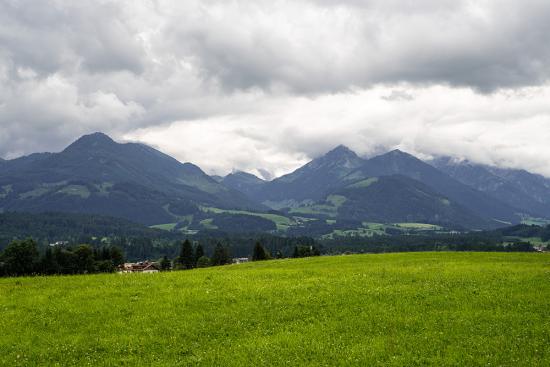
[370,229]
[424,226]
[391,309]
[280,221]
[535,221]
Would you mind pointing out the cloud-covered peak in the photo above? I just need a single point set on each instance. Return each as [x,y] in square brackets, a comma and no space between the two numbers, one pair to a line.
[341,151]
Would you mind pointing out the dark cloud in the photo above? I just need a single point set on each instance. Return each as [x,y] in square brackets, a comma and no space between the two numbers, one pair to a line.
[50,37]
[486,46]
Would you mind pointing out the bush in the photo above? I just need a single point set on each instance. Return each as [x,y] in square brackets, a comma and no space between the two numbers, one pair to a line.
[20,258]
[203,262]
[105,266]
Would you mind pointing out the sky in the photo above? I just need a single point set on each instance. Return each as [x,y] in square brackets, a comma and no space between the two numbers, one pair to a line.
[265,86]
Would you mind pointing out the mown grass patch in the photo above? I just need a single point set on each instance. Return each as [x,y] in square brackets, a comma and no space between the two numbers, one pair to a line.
[411,309]
[207,223]
[77,190]
[364,183]
[316,209]
[422,226]
[165,226]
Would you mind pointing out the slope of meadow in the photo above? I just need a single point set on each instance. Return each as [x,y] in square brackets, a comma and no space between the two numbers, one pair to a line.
[391,309]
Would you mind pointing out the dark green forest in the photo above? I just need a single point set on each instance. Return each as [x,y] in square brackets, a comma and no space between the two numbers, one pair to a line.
[57,243]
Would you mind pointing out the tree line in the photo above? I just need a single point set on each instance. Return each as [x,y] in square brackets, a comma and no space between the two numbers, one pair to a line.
[22,257]
[491,241]
[193,256]
[25,257]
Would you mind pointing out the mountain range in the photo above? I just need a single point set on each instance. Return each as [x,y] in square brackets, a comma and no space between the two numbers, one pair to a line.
[97,175]
[337,190]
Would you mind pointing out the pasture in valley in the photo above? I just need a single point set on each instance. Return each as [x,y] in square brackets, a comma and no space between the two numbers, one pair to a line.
[389,309]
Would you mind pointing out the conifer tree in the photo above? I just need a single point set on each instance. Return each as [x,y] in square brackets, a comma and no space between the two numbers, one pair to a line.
[199,252]
[84,258]
[105,254]
[259,252]
[165,263]
[186,258]
[48,264]
[221,255]
[116,256]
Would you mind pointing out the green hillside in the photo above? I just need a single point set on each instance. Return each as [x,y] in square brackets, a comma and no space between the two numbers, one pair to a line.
[394,309]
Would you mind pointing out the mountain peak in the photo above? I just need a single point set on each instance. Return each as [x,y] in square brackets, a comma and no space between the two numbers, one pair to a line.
[341,150]
[325,170]
[398,153]
[94,140]
[96,137]
[340,155]
[244,182]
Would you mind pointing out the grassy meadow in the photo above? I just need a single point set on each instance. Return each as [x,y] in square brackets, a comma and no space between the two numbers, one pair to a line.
[409,309]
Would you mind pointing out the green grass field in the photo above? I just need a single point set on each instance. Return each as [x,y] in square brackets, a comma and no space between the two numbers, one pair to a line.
[535,221]
[412,309]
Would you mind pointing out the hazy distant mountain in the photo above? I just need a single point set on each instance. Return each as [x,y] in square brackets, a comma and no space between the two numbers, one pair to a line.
[311,181]
[244,182]
[398,162]
[519,188]
[536,186]
[97,175]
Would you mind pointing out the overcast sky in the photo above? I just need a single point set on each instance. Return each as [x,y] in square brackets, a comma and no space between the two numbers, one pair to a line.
[264,86]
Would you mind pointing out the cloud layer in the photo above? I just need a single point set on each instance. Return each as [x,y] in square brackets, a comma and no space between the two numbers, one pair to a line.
[267,85]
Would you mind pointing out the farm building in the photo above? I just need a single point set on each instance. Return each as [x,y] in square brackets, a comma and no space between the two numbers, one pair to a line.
[240,260]
[139,267]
